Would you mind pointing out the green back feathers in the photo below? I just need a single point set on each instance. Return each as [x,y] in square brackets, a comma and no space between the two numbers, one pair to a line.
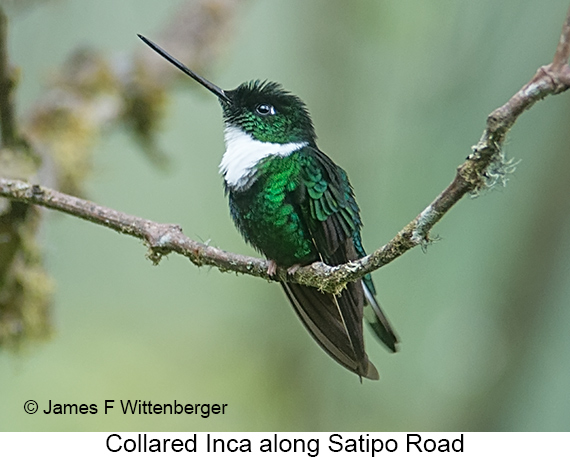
[334,214]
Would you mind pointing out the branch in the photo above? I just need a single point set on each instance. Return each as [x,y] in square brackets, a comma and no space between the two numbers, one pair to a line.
[485,167]
[91,92]
[563,49]
[160,238]
[7,83]
[52,145]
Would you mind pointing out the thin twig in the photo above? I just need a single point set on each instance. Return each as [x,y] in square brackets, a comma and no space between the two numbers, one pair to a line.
[7,120]
[484,167]
[562,53]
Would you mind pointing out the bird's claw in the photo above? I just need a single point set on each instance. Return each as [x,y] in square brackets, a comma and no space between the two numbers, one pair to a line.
[293,269]
[271,267]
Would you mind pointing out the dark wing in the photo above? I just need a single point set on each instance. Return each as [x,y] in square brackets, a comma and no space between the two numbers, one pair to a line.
[335,224]
[321,315]
[376,318]
[329,200]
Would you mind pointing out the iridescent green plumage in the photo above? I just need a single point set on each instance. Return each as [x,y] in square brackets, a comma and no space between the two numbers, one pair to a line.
[267,216]
[300,209]
[296,206]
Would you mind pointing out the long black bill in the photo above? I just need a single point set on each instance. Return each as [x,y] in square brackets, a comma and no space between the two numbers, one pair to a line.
[217,91]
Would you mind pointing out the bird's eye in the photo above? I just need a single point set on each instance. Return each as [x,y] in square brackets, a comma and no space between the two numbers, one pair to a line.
[265,110]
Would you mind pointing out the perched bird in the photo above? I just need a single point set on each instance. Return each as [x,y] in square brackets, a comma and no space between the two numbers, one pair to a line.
[292,203]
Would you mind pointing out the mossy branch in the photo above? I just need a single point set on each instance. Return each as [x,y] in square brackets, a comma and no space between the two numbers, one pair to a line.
[485,167]
[52,144]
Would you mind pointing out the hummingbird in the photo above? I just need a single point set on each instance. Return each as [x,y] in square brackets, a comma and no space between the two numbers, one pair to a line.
[293,204]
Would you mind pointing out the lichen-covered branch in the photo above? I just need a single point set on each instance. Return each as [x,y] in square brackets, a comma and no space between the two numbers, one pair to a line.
[160,238]
[92,91]
[485,167]
[51,145]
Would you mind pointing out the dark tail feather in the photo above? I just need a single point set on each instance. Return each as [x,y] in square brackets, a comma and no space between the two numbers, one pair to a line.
[378,321]
[335,322]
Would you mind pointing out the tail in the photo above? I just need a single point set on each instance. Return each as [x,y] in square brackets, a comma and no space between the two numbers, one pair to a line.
[378,320]
[335,322]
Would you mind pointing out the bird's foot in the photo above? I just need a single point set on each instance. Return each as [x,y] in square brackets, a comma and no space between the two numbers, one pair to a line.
[271,267]
[292,269]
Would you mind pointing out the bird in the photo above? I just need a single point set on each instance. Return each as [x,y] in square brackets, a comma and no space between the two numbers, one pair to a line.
[294,205]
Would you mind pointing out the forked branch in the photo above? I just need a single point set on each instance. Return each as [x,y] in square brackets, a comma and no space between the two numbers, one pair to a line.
[485,166]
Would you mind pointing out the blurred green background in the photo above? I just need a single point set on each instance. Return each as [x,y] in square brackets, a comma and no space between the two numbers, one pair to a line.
[399,91]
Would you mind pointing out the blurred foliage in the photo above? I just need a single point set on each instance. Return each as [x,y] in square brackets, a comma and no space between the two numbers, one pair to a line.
[65,122]
[25,289]
[24,286]
[399,91]
[88,94]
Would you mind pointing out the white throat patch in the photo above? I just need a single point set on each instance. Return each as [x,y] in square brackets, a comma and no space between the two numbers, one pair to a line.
[243,152]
